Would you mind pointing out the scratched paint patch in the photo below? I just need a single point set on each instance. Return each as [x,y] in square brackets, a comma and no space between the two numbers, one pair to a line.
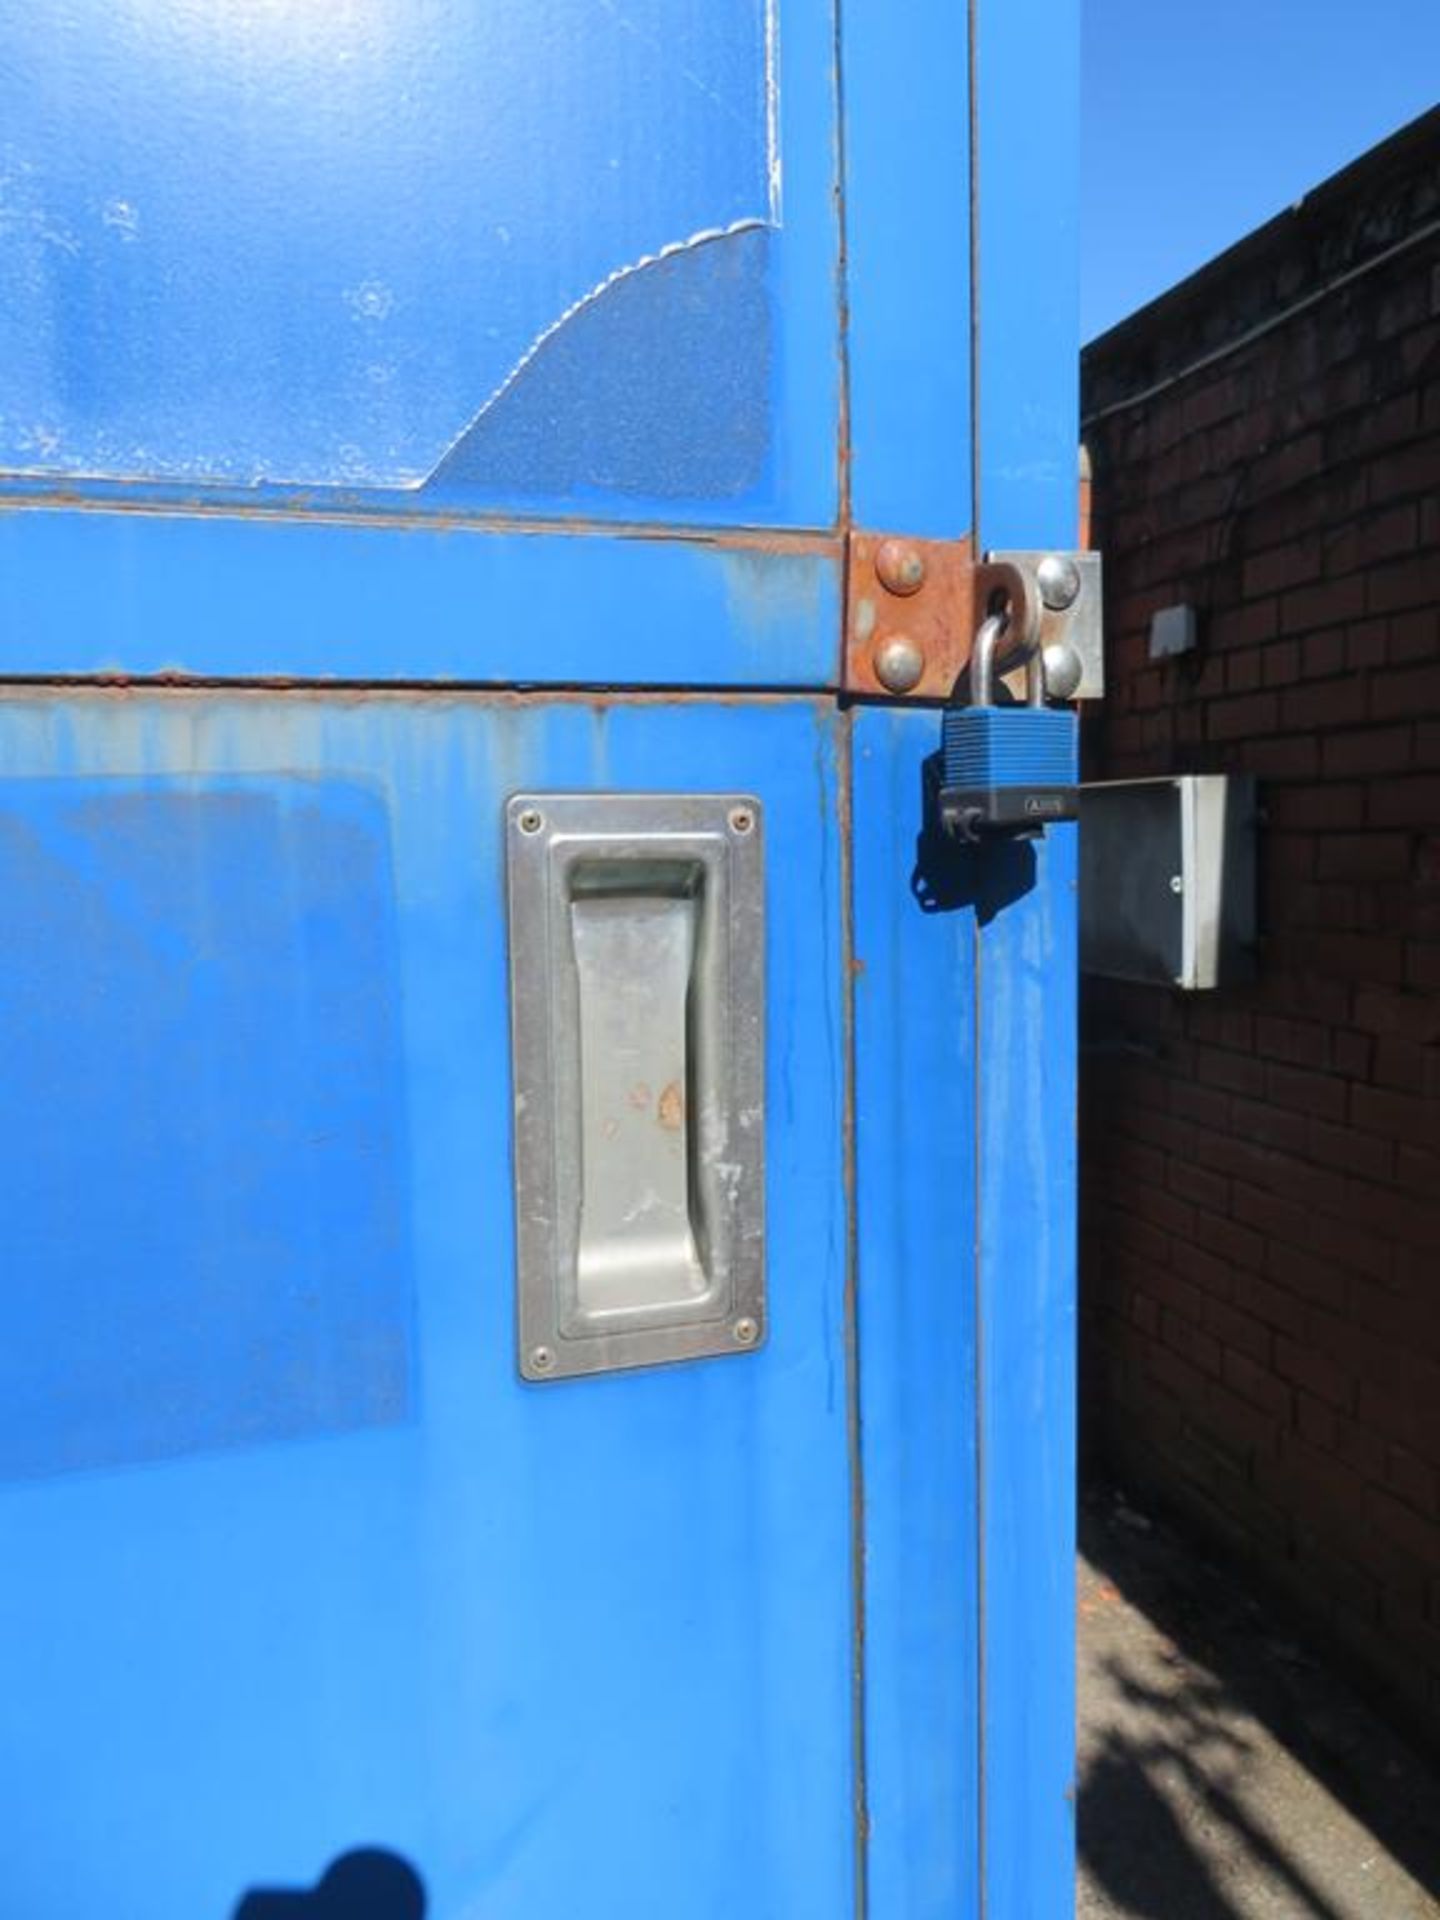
[658,388]
[391,205]
[203,1238]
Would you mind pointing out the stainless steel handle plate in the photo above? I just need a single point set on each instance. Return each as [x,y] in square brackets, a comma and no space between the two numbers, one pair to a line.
[637,975]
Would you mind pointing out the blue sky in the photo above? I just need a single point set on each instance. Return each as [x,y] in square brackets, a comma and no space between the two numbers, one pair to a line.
[1202,118]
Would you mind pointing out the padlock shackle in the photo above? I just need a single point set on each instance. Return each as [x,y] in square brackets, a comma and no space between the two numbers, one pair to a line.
[1035,678]
[987,654]
[982,660]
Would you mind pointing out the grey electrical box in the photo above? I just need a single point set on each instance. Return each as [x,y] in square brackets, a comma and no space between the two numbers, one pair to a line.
[1173,631]
[1167,880]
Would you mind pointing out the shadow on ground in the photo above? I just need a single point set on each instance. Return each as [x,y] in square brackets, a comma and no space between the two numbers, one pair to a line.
[1224,1775]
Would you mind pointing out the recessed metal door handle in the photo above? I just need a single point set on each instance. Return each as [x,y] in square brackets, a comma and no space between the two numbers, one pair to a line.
[637,1018]
[641,1226]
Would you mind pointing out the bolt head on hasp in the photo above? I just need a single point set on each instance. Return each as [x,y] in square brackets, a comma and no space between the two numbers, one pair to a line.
[899,664]
[1058,578]
[900,567]
[1063,670]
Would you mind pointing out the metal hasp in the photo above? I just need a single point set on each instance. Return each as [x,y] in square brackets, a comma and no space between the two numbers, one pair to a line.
[909,614]
[1012,769]
[637,978]
[1070,592]
[913,608]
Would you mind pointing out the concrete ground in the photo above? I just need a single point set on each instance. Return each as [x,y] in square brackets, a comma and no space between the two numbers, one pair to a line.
[1224,1773]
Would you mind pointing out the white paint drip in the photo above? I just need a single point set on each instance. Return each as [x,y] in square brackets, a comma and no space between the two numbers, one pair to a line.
[123,216]
[371,300]
[772,107]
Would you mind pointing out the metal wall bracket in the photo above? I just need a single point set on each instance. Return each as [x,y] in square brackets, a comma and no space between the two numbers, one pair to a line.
[1167,880]
[637,942]
[1066,592]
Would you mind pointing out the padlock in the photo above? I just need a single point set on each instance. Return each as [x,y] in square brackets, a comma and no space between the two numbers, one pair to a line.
[1007,770]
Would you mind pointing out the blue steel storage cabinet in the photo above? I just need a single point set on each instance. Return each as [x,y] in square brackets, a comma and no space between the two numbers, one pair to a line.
[425,423]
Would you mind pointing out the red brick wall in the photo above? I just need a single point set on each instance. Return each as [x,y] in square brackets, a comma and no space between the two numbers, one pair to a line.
[1261,1169]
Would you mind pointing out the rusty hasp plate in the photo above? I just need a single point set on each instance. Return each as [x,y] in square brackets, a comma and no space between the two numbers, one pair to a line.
[912,608]
[909,615]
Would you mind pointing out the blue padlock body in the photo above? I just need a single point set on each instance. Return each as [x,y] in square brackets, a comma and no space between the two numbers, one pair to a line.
[987,747]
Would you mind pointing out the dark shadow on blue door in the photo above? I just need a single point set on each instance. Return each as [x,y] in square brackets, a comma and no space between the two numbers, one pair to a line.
[952,874]
[369,1883]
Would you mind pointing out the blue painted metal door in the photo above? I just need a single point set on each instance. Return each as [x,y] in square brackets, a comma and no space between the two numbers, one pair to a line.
[405,403]
[296,1564]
